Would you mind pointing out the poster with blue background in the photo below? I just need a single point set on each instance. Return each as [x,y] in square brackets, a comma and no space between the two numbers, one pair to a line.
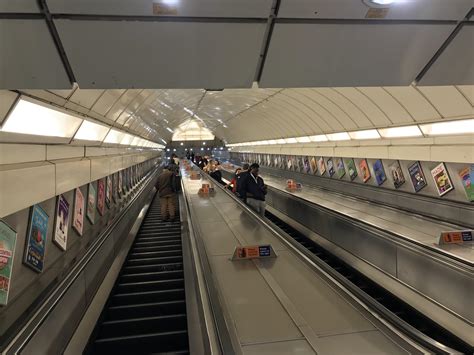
[36,239]
[379,172]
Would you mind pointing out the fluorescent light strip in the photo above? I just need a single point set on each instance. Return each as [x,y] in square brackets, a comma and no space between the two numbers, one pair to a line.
[114,137]
[367,134]
[90,131]
[447,128]
[35,118]
[400,132]
[341,136]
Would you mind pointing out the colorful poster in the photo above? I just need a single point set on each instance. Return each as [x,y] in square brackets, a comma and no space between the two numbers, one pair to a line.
[299,164]
[417,177]
[330,165]
[276,162]
[397,174]
[7,253]
[108,191]
[91,201]
[466,175]
[289,163]
[36,239]
[314,166]
[78,216]
[307,168]
[379,172]
[115,187]
[351,168]
[364,170]
[101,196]
[340,168]
[321,166]
[61,223]
[441,178]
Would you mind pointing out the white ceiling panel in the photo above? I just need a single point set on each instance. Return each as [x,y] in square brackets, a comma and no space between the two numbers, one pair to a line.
[394,111]
[164,55]
[344,54]
[133,106]
[415,103]
[63,93]
[7,99]
[122,103]
[468,92]
[456,63]
[199,8]
[351,9]
[19,6]
[29,58]
[86,98]
[448,101]
[106,101]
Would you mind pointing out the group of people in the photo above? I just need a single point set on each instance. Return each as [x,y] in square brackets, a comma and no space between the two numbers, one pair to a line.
[249,186]
[246,184]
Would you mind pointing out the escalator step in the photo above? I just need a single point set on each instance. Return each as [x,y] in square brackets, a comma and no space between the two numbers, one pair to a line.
[147,297]
[153,268]
[141,249]
[136,326]
[155,285]
[158,236]
[145,309]
[158,254]
[151,276]
[151,261]
[145,343]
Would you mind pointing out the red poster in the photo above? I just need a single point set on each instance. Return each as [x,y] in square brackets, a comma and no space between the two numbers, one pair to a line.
[101,196]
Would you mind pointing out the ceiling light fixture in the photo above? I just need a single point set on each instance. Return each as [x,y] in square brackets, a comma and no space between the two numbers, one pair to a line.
[366,134]
[447,128]
[400,132]
[340,136]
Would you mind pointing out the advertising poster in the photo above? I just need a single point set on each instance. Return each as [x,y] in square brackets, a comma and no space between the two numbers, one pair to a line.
[466,175]
[36,239]
[330,166]
[101,196]
[417,177]
[314,166]
[441,178]
[108,190]
[397,174]
[321,166]
[269,160]
[307,168]
[379,172]
[289,163]
[78,216]
[114,187]
[91,201]
[61,222]
[351,168]
[340,168]
[120,184]
[276,163]
[299,164]
[364,170]
[7,252]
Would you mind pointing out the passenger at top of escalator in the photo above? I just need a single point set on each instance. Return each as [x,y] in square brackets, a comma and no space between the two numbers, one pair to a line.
[216,173]
[175,159]
[243,174]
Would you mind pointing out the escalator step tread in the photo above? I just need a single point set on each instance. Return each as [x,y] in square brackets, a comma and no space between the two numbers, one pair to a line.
[144,305]
[155,282]
[129,320]
[128,294]
[141,336]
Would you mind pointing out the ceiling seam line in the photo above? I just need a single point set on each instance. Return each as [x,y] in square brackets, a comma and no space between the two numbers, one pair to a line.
[126,106]
[337,105]
[309,116]
[280,112]
[462,93]
[57,41]
[400,103]
[113,104]
[355,105]
[317,103]
[429,101]
[375,104]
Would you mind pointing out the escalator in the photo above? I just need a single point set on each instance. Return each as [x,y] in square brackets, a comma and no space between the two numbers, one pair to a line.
[146,309]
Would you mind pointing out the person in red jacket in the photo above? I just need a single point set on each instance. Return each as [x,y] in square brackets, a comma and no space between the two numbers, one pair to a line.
[233,182]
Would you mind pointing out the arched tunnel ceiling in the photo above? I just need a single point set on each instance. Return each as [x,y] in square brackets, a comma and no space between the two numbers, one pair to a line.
[240,115]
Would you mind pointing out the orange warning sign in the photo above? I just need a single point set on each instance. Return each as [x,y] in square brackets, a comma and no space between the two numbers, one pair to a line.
[253,252]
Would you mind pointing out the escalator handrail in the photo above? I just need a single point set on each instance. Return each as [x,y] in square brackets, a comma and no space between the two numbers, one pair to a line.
[27,331]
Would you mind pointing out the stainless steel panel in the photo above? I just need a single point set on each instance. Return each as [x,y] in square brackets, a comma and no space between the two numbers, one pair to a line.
[212,235]
[401,10]
[208,8]
[456,63]
[342,54]
[441,283]
[29,57]
[165,55]
[56,330]
[279,348]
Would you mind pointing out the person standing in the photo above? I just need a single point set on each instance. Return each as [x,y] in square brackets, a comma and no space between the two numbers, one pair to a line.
[254,190]
[233,182]
[241,177]
[166,186]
